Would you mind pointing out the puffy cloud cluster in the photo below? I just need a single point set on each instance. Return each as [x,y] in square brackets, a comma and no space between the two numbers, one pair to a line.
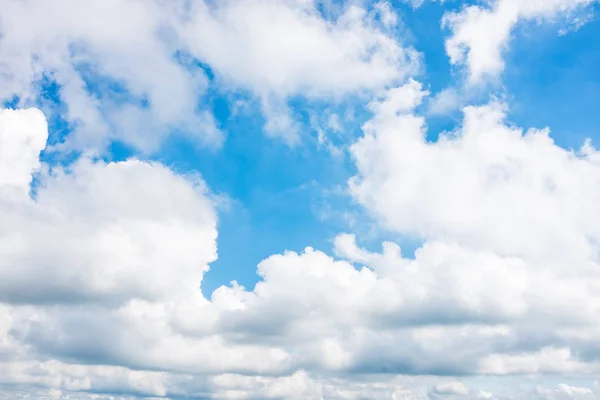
[480,34]
[101,268]
[487,184]
[101,263]
[507,222]
[130,70]
[95,230]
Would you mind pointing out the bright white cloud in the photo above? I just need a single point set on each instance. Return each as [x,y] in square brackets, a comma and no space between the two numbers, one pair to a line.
[110,257]
[99,230]
[23,136]
[88,46]
[452,388]
[100,268]
[480,33]
[280,49]
[287,47]
[487,185]
[490,190]
[150,49]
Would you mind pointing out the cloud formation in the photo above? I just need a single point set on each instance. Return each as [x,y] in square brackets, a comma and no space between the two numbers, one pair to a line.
[135,70]
[101,262]
[480,34]
[102,267]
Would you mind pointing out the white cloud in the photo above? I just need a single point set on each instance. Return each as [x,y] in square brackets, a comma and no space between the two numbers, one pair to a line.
[118,41]
[565,392]
[23,136]
[445,102]
[287,47]
[98,230]
[480,34]
[450,388]
[487,185]
[484,395]
[280,49]
[489,190]
[276,49]
[110,256]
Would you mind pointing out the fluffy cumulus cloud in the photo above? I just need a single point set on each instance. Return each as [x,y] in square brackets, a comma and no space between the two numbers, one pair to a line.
[515,204]
[101,262]
[101,267]
[116,217]
[480,33]
[131,70]
[112,64]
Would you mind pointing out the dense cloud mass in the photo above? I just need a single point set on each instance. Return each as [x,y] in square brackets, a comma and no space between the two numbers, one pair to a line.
[110,257]
[101,261]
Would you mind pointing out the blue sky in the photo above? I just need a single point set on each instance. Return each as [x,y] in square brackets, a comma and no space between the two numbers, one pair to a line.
[550,72]
[196,141]
[279,194]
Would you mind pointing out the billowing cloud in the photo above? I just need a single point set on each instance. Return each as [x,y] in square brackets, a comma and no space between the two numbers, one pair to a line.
[101,262]
[491,189]
[101,268]
[23,136]
[480,33]
[287,47]
[116,71]
[486,185]
[96,230]
[130,70]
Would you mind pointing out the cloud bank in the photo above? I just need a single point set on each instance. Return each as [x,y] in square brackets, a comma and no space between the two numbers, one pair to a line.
[102,266]
[101,262]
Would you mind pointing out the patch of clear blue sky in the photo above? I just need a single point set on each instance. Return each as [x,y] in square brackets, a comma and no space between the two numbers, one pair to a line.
[288,198]
[554,80]
[275,190]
